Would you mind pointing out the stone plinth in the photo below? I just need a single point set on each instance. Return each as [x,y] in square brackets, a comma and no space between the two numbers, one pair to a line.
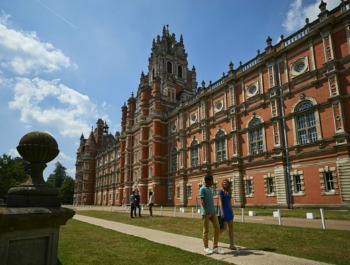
[30,222]
[30,235]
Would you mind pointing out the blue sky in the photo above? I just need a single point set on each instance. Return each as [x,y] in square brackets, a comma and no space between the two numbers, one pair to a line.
[66,63]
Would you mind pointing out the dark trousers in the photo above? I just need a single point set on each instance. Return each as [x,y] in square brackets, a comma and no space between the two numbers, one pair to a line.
[137,206]
[132,210]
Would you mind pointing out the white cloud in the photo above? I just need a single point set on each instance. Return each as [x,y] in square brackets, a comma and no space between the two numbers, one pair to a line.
[66,157]
[297,13]
[24,53]
[53,104]
[13,153]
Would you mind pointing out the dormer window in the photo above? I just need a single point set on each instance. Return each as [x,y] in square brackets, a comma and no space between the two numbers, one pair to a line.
[169,67]
[179,71]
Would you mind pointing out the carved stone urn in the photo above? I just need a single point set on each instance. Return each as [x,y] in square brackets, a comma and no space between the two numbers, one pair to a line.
[38,148]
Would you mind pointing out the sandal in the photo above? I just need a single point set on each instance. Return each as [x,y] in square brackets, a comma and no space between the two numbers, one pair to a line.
[233,248]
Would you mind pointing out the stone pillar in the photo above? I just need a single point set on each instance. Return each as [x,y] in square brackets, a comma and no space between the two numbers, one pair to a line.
[31,220]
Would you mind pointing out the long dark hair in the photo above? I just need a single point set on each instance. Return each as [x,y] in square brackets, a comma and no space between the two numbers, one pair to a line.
[228,188]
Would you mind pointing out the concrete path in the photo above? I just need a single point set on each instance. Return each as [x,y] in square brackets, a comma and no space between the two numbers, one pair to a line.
[245,256]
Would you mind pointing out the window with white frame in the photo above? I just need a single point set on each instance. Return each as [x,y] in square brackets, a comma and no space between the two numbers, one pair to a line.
[249,186]
[178,192]
[220,146]
[200,185]
[170,192]
[189,191]
[256,143]
[297,182]
[306,127]
[269,184]
[173,159]
[214,188]
[328,181]
[194,153]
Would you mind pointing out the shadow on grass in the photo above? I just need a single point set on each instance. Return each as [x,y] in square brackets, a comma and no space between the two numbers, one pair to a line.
[59,262]
[268,249]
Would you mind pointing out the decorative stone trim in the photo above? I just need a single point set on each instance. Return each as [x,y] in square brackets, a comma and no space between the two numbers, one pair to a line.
[252,89]
[193,118]
[299,66]
[218,106]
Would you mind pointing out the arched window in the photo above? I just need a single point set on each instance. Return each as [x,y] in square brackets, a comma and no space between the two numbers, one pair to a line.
[169,67]
[179,71]
[306,124]
[220,146]
[173,159]
[194,153]
[256,139]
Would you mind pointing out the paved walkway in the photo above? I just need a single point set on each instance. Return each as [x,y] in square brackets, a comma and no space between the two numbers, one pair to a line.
[245,256]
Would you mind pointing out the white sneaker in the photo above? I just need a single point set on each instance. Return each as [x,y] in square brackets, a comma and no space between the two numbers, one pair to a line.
[218,251]
[208,251]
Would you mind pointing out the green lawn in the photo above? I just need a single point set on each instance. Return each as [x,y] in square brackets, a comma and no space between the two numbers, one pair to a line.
[330,246]
[298,213]
[82,243]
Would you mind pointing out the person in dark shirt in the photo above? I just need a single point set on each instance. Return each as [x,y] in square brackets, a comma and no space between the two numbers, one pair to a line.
[132,204]
[137,203]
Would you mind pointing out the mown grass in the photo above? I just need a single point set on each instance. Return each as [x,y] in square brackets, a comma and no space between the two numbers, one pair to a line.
[330,246]
[300,213]
[297,213]
[82,243]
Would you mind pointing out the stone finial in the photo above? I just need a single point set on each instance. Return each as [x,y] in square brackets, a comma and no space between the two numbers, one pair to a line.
[322,6]
[38,148]
[231,66]
[269,41]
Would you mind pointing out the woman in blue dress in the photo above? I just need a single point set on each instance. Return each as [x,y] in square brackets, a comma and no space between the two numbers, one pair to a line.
[226,211]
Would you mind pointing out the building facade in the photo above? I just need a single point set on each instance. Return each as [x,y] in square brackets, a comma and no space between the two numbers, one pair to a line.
[278,126]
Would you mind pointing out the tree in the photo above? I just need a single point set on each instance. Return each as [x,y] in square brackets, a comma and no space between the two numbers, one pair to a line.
[64,183]
[13,171]
[67,190]
[58,177]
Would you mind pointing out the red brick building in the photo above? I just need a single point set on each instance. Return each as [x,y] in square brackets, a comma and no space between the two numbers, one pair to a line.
[277,126]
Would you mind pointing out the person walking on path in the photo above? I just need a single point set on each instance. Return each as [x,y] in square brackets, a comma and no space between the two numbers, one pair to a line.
[208,214]
[132,204]
[150,203]
[137,203]
[225,210]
